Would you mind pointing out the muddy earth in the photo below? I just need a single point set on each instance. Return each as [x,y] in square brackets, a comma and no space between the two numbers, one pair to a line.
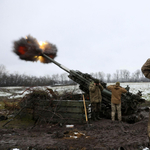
[102,135]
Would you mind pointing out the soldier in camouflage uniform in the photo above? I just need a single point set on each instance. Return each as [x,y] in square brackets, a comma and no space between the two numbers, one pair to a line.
[146,71]
[95,89]
[116,90]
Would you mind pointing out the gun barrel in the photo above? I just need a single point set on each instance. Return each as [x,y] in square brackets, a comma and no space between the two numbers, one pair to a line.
[55,62]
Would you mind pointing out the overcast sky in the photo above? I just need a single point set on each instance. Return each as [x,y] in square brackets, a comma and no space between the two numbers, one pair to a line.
[91,35]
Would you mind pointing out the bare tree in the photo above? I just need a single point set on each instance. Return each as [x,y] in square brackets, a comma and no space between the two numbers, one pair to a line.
[136,75]
[55,78]
[64,78]
[3,70]
[108,77]
[116,75]
[101,76]
[125,75]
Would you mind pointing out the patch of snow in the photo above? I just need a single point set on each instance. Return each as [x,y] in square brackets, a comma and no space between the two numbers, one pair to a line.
[16,92]
[146,148]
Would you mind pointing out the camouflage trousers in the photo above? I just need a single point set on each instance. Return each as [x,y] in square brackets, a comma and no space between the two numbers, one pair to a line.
[95,107]
[114,108]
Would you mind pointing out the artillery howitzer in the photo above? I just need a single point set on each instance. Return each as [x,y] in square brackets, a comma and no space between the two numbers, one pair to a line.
[29,49]
[130,101]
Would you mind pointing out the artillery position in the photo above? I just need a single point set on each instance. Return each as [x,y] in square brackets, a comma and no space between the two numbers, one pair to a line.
[28,49]
[130,101]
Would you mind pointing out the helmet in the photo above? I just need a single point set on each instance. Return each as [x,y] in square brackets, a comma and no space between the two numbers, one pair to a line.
[96,81]
[118,83]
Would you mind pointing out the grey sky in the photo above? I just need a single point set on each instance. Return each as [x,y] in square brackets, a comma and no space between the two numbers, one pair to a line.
[91,35]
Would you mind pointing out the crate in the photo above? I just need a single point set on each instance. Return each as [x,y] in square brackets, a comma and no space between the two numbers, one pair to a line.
[61,111]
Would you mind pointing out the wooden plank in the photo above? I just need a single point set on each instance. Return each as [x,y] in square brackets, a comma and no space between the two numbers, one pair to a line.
[61,109]
[69,121]
[70,110]
[71,102]
[78,103]
[45,114]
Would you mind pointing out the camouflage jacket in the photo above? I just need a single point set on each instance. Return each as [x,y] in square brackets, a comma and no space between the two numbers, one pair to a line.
[116,93]
[146,69]
[95,93]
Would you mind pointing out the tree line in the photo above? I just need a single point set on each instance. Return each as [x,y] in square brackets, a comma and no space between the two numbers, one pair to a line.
[15,79]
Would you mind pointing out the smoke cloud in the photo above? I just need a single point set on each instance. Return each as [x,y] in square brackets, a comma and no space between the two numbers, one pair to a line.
[29,49]
[50,50]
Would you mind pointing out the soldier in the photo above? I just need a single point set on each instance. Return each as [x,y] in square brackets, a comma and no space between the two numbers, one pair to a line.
[146,69]
[116,90]
[95,89]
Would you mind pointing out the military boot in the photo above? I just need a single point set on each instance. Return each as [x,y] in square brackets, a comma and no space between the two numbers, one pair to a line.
[97,116]
[94,116]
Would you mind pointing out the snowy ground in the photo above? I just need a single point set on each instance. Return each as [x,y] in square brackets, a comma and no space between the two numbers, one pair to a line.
[16,92]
